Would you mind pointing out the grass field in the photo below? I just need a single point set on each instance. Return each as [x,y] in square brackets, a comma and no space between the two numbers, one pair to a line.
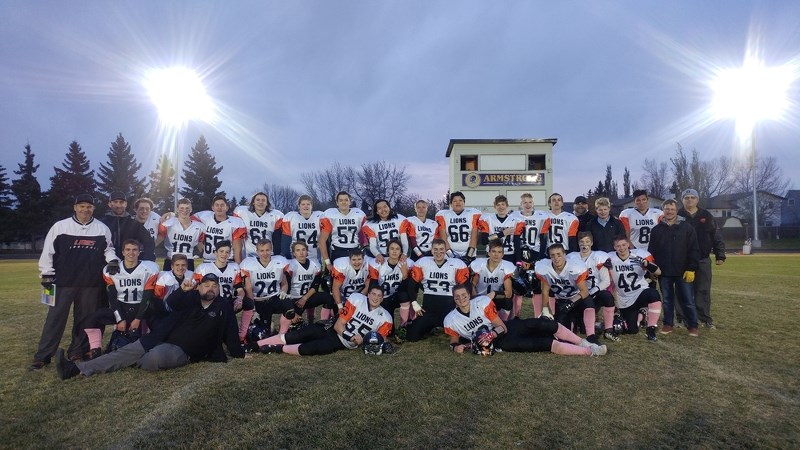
[734,387]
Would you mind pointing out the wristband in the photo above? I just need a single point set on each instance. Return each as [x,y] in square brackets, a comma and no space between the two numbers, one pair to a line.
[450,253]
[117,316]
[327,262]
[417,308]
[471,252]
[651,267]
[453,347]
[418,251]
[498,331]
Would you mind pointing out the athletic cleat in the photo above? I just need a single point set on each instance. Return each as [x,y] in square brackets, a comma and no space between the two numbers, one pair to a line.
[651,334]
[643,320]
[66,369]
[710,326]
[593,339]
[693,332]
[267,349]
[584,343]
[611,335]
[36,365]
[666,329]
[401,334]
[598,350]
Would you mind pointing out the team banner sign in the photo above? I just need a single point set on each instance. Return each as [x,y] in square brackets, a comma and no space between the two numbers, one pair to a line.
[475,179]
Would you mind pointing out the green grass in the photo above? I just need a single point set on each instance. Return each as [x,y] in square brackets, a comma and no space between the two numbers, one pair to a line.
[736,386]
[767,244]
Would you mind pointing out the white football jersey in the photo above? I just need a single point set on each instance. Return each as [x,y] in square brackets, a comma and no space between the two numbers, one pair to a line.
[388,276]
[231,229]
[151,224]
[628,277]
[640,225]
[530,227]
[300,277]
[167,283]
[343,229]
[360,320]
[560,228]
[179,240]
[490,223]
[439,280]
[594,264]
[264,280]
[491,280]
[386,230]
[458,227]
[299,228]
[481,312]
[424,232]
[258,227]
[130,285]
[563,284]
[352,280]
[229,276]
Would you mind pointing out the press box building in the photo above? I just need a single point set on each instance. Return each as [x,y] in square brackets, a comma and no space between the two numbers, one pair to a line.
[485,168]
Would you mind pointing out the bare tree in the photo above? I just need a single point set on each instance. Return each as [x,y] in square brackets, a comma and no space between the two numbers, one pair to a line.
[769,176]
[323,185]
[378,180]
[709,178]
[655,178]
[283,198]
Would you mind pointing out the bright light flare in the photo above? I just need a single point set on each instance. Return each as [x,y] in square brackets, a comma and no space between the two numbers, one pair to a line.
[179,95]
[752,93]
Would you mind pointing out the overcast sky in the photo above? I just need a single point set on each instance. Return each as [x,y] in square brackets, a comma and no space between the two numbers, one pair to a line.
[301,84]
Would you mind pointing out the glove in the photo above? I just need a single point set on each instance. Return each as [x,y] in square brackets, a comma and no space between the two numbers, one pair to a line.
[113,267]
[608,264]
[485,338]
[282,295]
[546,314]
[638,260]
[416,306]
[688,276]
[565,306]
[48,281]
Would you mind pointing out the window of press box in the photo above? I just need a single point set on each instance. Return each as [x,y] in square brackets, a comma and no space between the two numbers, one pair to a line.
[536,162]
[469,163]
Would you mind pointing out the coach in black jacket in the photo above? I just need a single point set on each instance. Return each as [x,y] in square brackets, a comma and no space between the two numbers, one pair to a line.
[673,244]
[200,322]
[124,227]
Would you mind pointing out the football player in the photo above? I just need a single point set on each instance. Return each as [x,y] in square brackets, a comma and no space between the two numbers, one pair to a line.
[492,277]
[265,283]
[458,226]
[144,214]
[425,230]
[304,276]
[130,292]
[170,280]
[639,221]
[360,315]
[561,227]
[350,274]
[342,225]
[385,225]
[392,276]
[634,298]
[261,222]
[437,275]
[181,234]
[302,225]
[219,226]
[566,282]
[598,280]
[501,227]
[529,335]
[230,283]
[530,224]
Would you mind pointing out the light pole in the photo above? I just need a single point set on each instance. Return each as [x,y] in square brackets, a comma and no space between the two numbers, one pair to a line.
[750,94]
[179,96]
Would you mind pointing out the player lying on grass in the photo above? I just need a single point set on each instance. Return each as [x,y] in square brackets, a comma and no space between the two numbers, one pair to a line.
[359,316]
[529,335]
[201,320]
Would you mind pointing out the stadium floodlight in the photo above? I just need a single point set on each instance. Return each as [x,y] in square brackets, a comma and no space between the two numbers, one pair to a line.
[179,95]
[749,94]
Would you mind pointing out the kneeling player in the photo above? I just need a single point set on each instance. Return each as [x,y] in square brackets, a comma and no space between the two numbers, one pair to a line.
[598,281]
[359,316]
[304,276]
[492,277]
[628,269]
[392,276]
[529,335]
[265,284]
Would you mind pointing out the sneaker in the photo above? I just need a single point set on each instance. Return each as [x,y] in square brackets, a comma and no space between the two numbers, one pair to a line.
[643,320]
[611,335]
[651,334]
[66,369]
[401,334]
[710,326]
[593,339]
[267,349]
[598,350]
[693,332]
[666,329]
[584,343]
[36,365]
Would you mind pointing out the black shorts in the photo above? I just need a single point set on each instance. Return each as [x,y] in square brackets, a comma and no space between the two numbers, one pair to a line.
[528,335]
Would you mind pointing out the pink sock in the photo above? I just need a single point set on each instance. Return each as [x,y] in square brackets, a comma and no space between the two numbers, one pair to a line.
[293,349]
[608,316]
[588,321]
[284,325]
[563,348]
[247,316]
[565,334]
[551,303]
[95,336]
[404,313]
[653,313]
[325,314]
[536,300]
[278,339]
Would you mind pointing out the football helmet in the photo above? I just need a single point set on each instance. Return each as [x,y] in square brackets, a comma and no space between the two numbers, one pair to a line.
[483,341]
[256,331]
[620,327]
[373,343]
[120,339]
[528,254]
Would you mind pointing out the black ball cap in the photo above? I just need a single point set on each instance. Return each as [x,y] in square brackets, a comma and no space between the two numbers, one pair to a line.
[84,198]
[580,199]
[116,195]
[210,277]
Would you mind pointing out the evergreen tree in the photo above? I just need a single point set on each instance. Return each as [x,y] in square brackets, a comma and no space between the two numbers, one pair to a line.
[200,179]
[120,173]
[626,182]
[162,186]
[243,201]
[27,218]
[75,177]
[5,206]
